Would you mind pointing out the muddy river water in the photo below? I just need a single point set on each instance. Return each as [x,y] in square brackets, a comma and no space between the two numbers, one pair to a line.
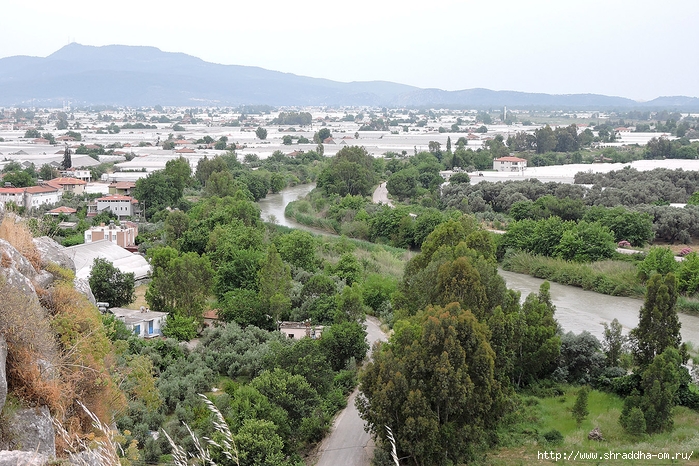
[576,309]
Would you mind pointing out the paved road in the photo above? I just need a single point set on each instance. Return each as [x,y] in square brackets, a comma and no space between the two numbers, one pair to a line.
[348,444]
[381,195]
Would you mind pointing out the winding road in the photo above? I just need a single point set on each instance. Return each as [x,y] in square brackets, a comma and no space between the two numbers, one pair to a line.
[348,443]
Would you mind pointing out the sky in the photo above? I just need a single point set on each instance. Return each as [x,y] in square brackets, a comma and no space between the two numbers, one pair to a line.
[630,48]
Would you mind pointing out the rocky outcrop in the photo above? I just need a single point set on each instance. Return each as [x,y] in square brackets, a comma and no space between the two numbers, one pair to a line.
[83,286]
[3,374]
[23,458]
[32,430]
[17,269]
[51,251]
[595,434]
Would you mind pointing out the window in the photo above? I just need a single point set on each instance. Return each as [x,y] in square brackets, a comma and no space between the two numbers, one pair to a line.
[137,329]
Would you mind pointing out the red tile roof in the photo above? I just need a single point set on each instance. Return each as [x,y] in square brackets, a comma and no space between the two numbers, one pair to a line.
[510,159]
[65,180]
[40,189]
[62,210]
[11,190]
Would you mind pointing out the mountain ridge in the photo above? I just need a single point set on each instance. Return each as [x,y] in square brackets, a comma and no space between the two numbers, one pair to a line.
[144,75]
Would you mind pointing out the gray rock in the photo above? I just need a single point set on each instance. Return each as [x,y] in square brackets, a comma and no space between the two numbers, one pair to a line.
[595,434]
[31,430]
[23,458]
[44,279]
[18,280]
[18,261]
[83,286]
[3,373]
[51,251]
[87,458]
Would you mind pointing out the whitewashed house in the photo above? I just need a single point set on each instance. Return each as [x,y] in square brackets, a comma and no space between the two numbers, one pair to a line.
[142,322]
[298,330]
[509,164]
[35,196]
[122,206]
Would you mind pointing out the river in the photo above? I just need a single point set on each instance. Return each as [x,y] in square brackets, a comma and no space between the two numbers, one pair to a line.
[272,207]
[576,309]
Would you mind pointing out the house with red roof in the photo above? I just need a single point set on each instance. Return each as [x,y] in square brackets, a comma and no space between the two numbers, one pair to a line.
[67,185]
[35,196]
[61,210]
[509,164]
[10,194]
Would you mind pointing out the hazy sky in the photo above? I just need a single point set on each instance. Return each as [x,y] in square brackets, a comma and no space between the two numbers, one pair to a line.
[631,48]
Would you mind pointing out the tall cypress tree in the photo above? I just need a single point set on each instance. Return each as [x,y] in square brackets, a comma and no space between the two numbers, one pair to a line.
[658,324]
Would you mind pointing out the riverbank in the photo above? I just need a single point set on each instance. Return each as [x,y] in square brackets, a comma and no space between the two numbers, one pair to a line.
[610,277]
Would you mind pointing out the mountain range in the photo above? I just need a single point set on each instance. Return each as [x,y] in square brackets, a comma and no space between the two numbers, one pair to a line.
[144,76]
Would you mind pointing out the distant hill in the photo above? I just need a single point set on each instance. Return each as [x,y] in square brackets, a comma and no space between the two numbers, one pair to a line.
[135,76]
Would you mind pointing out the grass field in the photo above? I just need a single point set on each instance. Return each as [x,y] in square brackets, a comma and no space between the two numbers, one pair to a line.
[536,416]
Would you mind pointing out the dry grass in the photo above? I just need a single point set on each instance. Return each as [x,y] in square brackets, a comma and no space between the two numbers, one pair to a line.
[18,235]
[140,293]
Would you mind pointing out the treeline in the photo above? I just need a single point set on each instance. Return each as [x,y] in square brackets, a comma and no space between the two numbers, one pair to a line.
[646,193]
[464,346]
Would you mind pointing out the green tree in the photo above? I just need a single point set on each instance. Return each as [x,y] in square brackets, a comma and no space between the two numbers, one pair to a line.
[348,268]
[298,248]
[580,409]
[243,307]
[350,171]
[180,327]
[180,283]
[277,182]
[67,162]
[658,324]
[290,392]
[443,396]
[586,242]
[660,382]
[342,342]
[156,192]
[613,342]
[404,183]
[659,260]
[18,179]
[259,444]
[322,135]
[206,166]
[274,283]
[536,344]
[110,285]
[261,133]
[180,173]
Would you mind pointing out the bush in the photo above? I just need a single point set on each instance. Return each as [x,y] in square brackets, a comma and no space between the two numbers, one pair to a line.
[553,437]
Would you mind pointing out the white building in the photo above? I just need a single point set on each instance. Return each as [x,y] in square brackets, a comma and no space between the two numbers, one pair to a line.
[142,322]
[509,164]
[35,196]
[298,330]
[15,195]
[123,235]
[122,206]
